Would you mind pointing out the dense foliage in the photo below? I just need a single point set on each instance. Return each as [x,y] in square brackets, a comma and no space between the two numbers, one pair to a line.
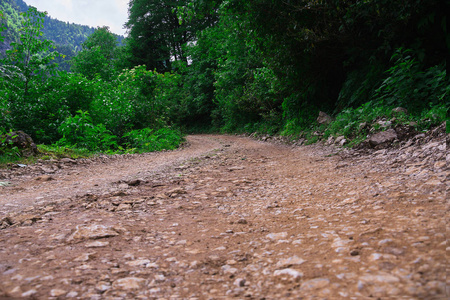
[98,106]
[67,37]
[279,62]
[235,66]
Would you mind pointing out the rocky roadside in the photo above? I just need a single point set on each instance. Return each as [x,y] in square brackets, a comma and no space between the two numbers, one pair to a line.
[246,220]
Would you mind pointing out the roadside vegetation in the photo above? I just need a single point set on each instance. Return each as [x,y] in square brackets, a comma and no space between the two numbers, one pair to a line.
[227,66]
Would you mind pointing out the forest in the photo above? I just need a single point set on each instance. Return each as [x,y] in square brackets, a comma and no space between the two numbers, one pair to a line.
[236,66]
[67,37]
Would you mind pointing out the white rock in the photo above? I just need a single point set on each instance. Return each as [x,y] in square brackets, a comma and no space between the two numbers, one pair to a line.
[239,282]
[103,286]
[154,290]
[294,260]
[288,274]
[277,236]
[340,243]
[375,256]
[57,292]
[152,265]
[72,294]
[29,293]
[171,259]
[229,269]
[139,262]
[96,244]
[340,140]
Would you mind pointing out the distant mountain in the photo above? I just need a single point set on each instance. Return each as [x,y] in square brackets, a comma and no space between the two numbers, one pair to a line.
[67,37]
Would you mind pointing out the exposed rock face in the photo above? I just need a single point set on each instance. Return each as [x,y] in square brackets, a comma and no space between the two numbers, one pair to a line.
[382,138]
[323,118]
[22,141]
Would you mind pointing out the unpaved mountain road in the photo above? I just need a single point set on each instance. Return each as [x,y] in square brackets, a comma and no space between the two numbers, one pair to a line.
[230,217]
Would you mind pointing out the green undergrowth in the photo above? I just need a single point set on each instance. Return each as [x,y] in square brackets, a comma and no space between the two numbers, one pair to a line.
[148,140]
[356,124]
[45,152]
[423,92]
[135,141]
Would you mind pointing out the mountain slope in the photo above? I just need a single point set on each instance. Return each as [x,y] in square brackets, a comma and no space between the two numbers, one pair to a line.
[68,37]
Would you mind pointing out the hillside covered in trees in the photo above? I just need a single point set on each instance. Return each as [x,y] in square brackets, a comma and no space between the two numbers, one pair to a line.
[68,37]
[232,66]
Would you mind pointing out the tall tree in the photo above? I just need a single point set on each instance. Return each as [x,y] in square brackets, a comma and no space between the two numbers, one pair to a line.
[97,56]
[31,55]
[156,35]
[28,65]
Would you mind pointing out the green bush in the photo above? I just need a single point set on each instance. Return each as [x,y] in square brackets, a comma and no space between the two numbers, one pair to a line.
[148,140]
[349,122]
[7,150]
[411,87]
[434,116]
[356,123]
[360,86]
[136,99]
[304,120]
[79,132]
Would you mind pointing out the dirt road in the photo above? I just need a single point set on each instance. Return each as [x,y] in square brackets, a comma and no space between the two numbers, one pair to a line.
[229,217]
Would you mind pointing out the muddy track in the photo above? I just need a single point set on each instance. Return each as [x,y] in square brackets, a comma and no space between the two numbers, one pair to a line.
[229,217]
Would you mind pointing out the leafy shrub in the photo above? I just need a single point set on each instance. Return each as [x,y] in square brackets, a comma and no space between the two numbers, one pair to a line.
[79,132]
[148,140]
[434,116]
[304,120]
[136,99]
[360,86]
[113,108]
[7,150]
[5,113]
[355,123]
[410,87]
[57,152]
[348,121]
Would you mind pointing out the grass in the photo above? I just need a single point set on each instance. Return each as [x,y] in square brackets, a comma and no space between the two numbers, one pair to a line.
[144,141]
[355,124]
[45,153]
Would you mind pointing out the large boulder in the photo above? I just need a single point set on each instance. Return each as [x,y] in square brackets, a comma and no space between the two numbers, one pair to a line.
[323,118]
[382,138]
[22,141]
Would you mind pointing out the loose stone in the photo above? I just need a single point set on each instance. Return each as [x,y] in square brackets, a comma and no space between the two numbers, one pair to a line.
[129,283]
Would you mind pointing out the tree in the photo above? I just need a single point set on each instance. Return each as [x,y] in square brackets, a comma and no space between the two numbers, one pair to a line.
[97,56]
[2,27]
[150,24]
[29,65]
[156,35]
[31,55]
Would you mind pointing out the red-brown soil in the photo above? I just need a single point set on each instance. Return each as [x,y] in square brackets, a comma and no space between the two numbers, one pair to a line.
[229,217]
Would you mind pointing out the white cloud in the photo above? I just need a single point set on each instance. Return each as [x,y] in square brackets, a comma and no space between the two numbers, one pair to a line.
[111,13]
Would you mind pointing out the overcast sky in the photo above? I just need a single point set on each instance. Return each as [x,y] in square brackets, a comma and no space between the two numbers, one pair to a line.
[111,13]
